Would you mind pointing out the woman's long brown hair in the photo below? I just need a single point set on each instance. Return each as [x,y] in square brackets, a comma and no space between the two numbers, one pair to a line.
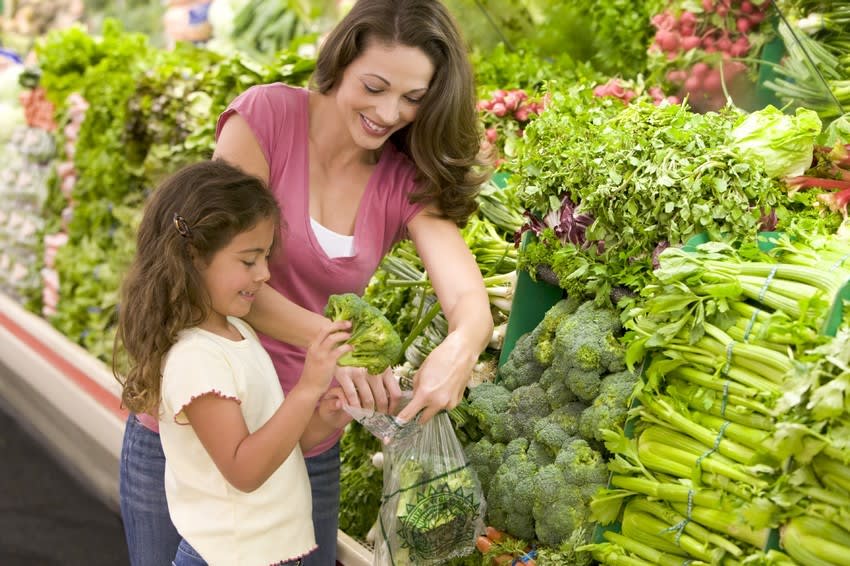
[444,140]
[191,216]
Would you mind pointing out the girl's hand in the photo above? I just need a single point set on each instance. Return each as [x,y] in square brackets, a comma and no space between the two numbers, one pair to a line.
[380,393]
[330,409]
[323,354]
[441,380]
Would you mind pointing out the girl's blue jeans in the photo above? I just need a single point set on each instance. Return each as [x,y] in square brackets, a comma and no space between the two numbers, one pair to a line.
[152,539]
[188,556]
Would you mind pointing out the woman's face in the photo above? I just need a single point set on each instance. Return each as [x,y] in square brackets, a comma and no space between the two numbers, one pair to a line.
[381,90]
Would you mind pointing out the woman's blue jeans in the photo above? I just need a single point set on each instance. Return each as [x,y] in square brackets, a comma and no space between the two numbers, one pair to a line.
[152,539]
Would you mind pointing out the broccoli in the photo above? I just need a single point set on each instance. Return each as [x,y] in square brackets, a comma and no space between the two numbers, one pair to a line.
[485,457]
[557,390]
[510,499]
[583,466]
[558,506]
[586,348]
[521,368]
[376,344]
[559,426]
[528,404]
[610,408]
[562,491]
[540,454]
[544,349]
[489,403]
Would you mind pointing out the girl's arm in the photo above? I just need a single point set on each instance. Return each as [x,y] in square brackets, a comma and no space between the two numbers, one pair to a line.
[442,378]
[246,459]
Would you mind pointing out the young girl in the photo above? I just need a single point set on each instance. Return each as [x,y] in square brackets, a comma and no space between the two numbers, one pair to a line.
[235,478]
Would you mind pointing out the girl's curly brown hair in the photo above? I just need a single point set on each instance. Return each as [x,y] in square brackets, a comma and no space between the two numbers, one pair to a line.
[191,216]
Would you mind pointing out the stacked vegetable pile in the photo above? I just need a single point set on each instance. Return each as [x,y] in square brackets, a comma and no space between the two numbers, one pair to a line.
[540,459]
[610,185]
[739,423]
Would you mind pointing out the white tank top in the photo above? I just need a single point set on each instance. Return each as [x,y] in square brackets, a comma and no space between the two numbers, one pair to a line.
[334,244]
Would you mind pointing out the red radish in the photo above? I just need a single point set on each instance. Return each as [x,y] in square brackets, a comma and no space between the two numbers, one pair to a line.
[743,25]
[690,42]
[667,40]
[724,44]
[700,69]
[747,7]
[708,5]
[693,84]
[711,83]
[499,109]
[499,95]
[708,44]
[688,18]
[521,114]
[740,48]
[756,18]
[484,105]
[674,100]
[520,94]
[511,101]
[677,76]
[491,134]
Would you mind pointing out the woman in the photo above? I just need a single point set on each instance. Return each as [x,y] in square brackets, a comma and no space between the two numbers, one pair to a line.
[383,146]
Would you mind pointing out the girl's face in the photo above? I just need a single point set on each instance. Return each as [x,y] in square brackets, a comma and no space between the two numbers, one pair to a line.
[381,90]
[235,274]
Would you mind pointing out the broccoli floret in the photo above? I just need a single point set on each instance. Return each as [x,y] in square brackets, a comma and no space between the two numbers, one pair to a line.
[376,344]
[586,348]
[489,404]
[558,506]
[610,407]
[528,404]
[544,349]
[563,491]
[558,427]
[583,466]
[485,457]
[510,499]
[521,368]
[540,454]
[557,390]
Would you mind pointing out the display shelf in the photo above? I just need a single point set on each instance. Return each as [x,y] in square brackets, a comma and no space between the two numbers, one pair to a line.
[71,402]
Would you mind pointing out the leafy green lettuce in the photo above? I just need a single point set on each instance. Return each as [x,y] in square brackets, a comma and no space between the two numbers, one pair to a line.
[784,142]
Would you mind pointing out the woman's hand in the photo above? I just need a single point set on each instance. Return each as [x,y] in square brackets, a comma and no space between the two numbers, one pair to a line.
[441,380]
[380,393]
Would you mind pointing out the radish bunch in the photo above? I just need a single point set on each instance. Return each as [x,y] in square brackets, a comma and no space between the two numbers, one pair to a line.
[626,91]
[505,115]
[701,48]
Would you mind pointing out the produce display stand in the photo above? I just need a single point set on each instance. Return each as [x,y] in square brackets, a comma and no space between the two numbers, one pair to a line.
[71,402]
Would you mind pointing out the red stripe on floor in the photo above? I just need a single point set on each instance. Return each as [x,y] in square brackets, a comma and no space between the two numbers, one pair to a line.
[103,396]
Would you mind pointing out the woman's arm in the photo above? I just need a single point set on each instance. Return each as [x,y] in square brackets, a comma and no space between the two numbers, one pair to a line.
[457,281]
[238,145]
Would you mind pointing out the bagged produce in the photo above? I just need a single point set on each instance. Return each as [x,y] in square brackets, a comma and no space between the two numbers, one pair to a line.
[432,507]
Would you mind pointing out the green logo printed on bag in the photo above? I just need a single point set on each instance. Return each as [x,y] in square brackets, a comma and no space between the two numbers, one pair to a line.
[438,521]
[440,518]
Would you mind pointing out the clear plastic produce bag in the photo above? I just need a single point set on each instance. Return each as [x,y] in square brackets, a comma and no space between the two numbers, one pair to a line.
[432,507]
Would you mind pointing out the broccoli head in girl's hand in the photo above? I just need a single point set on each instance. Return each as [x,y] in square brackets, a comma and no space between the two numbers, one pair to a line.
[376,344]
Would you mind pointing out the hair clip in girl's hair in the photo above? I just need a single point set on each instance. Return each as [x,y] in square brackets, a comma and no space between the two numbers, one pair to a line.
[182,226]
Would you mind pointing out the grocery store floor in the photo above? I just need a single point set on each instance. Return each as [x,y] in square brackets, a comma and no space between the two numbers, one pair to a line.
[47,518]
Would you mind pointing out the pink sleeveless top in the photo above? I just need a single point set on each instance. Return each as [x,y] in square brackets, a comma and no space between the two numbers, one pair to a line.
[300,270]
